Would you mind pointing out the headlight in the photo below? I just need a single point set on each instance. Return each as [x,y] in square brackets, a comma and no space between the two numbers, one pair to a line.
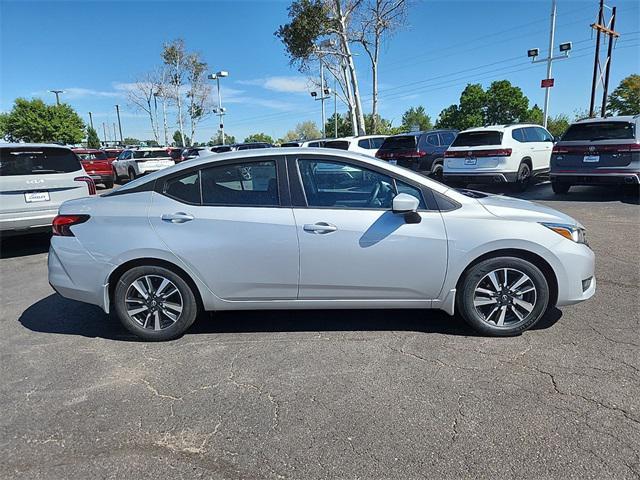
[570,232]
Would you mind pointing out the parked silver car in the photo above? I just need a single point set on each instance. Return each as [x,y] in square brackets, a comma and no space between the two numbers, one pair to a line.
[271,229]
[34,181]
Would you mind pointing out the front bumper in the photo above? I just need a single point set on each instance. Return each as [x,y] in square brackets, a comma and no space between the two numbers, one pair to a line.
[596,178]
[484,177]
[576,277]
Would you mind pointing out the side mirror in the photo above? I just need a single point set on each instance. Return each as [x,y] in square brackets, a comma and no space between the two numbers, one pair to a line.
[407,205]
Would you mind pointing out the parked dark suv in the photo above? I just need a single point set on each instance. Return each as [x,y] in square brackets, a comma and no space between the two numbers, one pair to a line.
[597,151]
[419,151]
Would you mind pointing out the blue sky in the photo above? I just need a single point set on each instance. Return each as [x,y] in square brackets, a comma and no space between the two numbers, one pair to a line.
[93,49]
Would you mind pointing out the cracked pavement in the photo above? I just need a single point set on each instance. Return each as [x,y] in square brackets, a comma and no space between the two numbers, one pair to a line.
[327,394]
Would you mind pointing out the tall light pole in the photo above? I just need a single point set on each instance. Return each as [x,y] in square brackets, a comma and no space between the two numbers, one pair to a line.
[548,82]
[119,124]
[91,120]
[220,110]
[322,95]
[57,94]
[164,116]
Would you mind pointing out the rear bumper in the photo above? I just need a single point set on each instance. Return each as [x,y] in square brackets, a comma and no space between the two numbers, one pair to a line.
[484,177]
[596,178]
[27,222]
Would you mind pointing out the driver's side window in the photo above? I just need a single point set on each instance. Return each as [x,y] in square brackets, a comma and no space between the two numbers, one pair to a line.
[334,184]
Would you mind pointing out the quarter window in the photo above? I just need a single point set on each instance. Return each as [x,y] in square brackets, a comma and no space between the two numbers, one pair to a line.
[518,135]
[447,138]
[376,142]
[248,184]
[432,140]
[333,184]
[364,143]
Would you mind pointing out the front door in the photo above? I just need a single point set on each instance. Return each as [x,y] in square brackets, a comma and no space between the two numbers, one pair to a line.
[353,247]
[226,224]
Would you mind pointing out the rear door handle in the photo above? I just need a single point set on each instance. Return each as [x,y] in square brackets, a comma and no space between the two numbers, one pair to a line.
[178,217]
[320,227]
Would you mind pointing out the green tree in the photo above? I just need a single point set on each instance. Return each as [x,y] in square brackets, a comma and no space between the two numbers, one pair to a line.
[131,141]
[470,112]
[344,126]
[259,137]
[177,139]
[416,118]
[505,103]
[217,139]
[35,121]
[382,125]
[3,124]
[625,99]
[306,130]
[151,143]
[535,115]
[558,125]
[93,141]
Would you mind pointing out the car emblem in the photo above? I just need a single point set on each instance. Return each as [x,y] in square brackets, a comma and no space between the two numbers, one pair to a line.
[469,153]
[592,148]
[35,181]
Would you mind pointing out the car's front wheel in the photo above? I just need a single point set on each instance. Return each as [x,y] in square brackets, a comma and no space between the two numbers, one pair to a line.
[503,296]
[560,187]
[154,303]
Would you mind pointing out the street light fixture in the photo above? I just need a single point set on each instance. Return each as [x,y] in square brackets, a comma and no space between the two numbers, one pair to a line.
[220,111]
[57,94]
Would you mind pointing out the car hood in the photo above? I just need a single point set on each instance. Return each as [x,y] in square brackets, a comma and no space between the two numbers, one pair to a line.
[517,209]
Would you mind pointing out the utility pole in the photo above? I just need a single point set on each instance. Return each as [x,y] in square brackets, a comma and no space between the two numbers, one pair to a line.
[104,132]
[91,119]
[115,134]
[324,95]
[335,107]
[548,82]
[607,28]
[119,124]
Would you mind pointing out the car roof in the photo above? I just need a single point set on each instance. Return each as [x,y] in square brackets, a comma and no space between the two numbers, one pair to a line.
[421,132]
[34,145]
[500,127]
[621,118]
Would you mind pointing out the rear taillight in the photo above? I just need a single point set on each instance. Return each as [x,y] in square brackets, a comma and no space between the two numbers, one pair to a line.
[558,149]
[90,184]
[499,152]
[62,224]
[596,149]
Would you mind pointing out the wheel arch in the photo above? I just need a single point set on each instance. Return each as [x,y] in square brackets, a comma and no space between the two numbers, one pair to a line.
[117,273]
[537,260]
[528,161]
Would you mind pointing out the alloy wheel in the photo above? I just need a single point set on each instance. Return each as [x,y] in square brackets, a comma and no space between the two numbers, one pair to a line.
[154,302]
[505,297]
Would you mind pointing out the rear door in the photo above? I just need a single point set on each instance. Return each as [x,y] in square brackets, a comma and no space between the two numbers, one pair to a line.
[540,143]
[36,180]
[228,223]
[352,246]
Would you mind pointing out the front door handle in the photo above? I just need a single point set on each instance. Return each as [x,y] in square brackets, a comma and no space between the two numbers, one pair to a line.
[178,217]
[320,227]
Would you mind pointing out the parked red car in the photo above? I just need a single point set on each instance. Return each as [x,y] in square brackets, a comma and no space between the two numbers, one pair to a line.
[176,154]
[97,165]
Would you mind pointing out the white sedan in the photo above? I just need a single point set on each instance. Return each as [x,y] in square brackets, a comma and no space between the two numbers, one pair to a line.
[313,228]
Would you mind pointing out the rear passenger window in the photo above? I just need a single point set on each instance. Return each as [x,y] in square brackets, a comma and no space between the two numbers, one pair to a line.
[185,188]
[238,184]
[518,135]
[376,142]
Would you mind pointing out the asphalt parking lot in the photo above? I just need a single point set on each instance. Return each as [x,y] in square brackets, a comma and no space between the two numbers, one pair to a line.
[327,394]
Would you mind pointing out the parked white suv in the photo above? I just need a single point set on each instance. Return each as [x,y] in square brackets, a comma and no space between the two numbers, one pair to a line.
[511,154]
[134,162]
[367,144]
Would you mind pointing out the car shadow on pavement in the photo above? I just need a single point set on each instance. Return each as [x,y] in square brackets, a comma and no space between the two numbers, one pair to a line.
[24,245]
[55,314]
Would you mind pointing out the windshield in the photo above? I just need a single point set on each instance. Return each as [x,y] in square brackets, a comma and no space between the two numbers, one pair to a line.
[477,139]
[33,161]
[600,131]
[404,142]
[142,154]
[92,156]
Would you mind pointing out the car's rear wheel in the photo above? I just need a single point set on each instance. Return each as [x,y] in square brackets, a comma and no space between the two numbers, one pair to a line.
[560,187]
[503,296]
[108,184]
[154,303]
[524,177]
[132,174]
[436,170]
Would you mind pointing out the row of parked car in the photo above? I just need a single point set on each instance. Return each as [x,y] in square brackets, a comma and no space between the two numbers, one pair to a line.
[35,178]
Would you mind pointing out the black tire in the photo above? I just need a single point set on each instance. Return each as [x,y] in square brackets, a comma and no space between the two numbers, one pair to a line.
[524,177]
[437,170]
[132,174]
[631,190]
[560,188]
[108,184]
[169,328]
[481,318]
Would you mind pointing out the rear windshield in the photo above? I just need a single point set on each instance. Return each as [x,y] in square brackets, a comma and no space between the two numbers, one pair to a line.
[404,142]
[175,154]
[34,161]
[600,131]
[340,145]
[113,153]
[92,156]
[290,144]
[151,154]
[477,139]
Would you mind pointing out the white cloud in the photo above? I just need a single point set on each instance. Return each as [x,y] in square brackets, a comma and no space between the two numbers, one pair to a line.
[281,84]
